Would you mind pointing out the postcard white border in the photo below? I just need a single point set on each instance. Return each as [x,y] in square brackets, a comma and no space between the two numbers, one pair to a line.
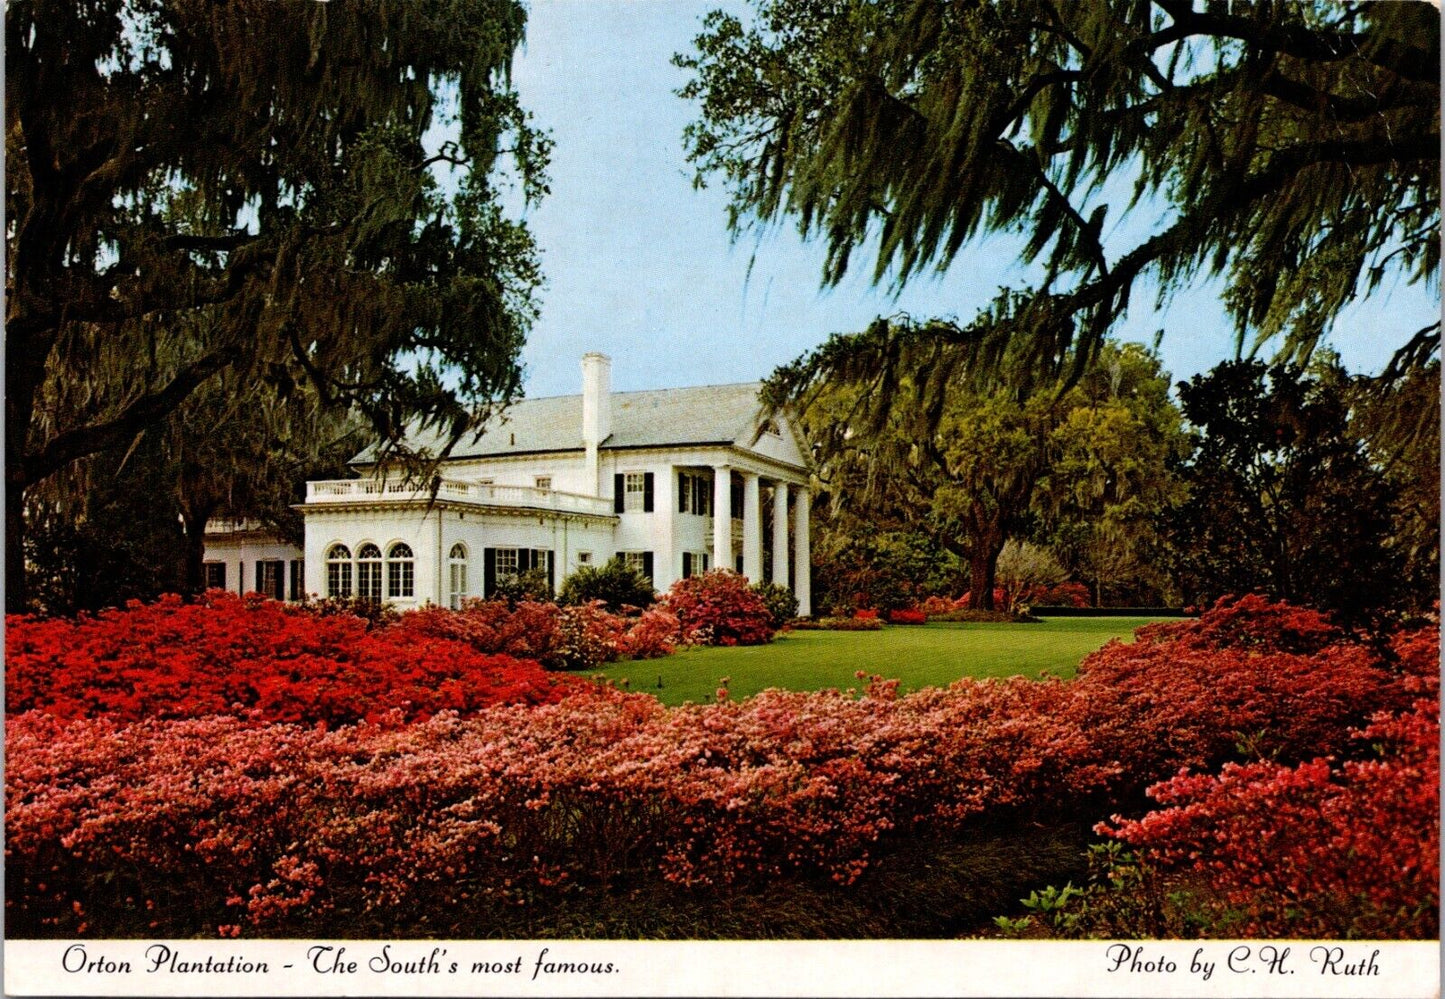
[1173,968]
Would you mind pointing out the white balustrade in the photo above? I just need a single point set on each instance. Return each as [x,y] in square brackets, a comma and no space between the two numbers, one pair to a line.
[478,493]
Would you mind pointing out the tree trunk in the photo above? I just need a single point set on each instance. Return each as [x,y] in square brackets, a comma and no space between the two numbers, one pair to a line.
[16,588]
[194,576]
[982,567]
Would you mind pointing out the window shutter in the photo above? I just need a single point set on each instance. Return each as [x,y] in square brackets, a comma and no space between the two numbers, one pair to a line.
[259,578]
[551,571]
[619,495]
[489,571]
[684,484]
[686,564]
[526,559]
[647,492]
[295,579]
[647,565]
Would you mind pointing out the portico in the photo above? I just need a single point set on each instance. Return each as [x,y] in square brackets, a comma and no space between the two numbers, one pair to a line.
[740,489]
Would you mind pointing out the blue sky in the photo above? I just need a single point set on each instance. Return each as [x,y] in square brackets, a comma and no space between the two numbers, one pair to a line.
[639,264]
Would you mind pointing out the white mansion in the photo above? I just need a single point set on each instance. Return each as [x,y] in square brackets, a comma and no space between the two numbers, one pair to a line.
[675,481]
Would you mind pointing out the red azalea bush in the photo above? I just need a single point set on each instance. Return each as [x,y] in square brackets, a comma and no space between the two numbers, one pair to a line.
[719,608]
[578,637]
[910,616]
[1057,595]
[1315,850]
[223,654]
[276,829]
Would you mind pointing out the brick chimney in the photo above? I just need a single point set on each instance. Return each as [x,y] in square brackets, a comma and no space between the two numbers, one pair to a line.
[596,411]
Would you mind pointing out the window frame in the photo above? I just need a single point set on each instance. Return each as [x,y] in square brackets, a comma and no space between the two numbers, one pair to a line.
[400,571]
[370,572]
[457,575]
[338,571]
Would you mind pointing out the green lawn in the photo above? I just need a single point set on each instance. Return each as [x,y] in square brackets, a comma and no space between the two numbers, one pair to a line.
[920,656]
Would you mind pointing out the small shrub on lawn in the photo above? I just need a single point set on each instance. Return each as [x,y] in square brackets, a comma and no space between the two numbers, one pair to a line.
[615,583]
[782,605]
[719,608]
[907,617]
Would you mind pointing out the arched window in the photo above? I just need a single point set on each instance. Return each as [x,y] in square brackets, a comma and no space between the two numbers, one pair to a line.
[338,571]
[457,563]
[368,572]
[400,571]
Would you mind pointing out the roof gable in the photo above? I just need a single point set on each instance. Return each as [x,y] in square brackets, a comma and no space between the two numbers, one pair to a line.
[708,414]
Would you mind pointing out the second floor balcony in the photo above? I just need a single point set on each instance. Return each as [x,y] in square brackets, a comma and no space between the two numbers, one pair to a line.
[347,491]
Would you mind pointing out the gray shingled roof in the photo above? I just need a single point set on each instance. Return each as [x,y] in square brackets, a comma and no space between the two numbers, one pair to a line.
[708,414]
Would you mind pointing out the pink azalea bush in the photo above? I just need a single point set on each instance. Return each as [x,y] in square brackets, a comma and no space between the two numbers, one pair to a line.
[720,608]
[221,825]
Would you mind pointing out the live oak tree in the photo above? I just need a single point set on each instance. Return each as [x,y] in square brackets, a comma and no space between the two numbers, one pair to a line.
[1291,147]
[975,464]
[281,168]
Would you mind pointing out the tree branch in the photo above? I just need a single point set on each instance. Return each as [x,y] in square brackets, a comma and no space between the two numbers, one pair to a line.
[79,442]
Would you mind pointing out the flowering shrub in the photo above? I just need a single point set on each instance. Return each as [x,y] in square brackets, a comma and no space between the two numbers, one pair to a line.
[1314,850]
[577,637]
[937,605]
[907,617]
[587,636]
[223,654]
[719,608]
[221,825]
[527,629]
[866,614]
[1057,595]
[655,633]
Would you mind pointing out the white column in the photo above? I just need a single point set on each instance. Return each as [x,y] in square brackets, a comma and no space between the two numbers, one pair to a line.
[722,517]
[752,528]
[802,556]
[780,534]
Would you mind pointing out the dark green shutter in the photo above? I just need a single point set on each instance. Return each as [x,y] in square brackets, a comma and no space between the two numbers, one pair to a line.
[551,572]
[258,578]
[618,495]
[296,577]
[686,564]
[647,492]
[647,565]
[489,571]
[684,484]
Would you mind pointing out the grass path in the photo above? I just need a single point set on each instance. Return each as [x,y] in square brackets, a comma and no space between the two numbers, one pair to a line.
[920,656]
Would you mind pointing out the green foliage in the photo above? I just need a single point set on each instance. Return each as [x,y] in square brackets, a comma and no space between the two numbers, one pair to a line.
[193,188]
[529,584]
[1284,497]
[779,600]
[615,583]
[919,444]
[1400,425]
[883,571]
[1293,147]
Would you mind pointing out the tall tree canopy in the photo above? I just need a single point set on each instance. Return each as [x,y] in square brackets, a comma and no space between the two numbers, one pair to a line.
[271,167]
[1285,496]
[1292,147]
[973,467]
